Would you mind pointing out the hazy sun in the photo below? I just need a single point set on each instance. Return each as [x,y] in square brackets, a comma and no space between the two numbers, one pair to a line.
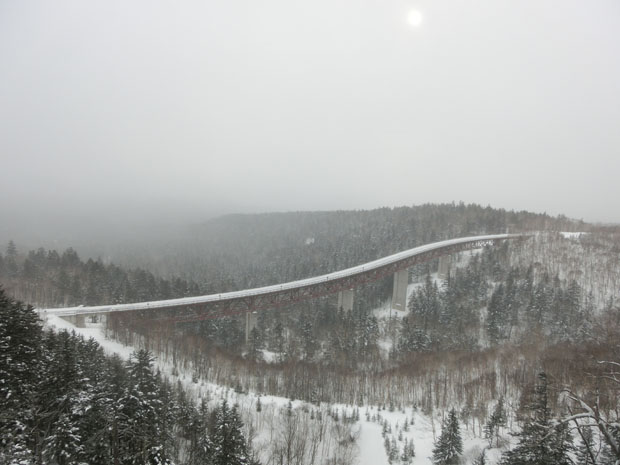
[414,18]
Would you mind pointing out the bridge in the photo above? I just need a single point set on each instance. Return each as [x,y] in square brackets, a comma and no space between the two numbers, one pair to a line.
[249,301]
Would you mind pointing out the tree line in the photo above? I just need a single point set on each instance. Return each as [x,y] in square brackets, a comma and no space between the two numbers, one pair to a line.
[48,278]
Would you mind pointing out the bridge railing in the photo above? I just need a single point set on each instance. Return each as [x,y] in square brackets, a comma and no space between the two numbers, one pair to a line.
[323,284]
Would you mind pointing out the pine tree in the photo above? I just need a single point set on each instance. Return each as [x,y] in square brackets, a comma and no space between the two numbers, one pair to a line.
[20,360]
[10,261]
[496,316]
[496,421]
[140,427]
[585,453]
[413,338]
[203,453]
[63,445]
[228,444]
[393,453]
[426,304]
[408,452]
[540,443]
[200,447]
[279,340]
[387,446]
[309,342]
[608,456]
[449,447]
[255,345]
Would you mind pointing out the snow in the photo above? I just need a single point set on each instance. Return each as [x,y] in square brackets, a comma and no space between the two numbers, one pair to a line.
[385,311]
[269,356]
[426,427]
[370,442]
[422,432]
[371,450]
[110,347]
[572,235]
[197,390]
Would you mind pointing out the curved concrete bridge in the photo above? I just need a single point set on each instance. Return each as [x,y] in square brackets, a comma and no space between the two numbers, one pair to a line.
[250,300]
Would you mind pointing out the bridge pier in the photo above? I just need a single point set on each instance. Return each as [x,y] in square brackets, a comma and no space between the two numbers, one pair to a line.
[345,300]
[239,302]
[79,321]
[250,324]
[444,266]
[399,291]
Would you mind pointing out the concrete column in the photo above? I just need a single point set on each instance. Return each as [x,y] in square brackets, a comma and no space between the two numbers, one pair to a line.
[250,324]
[345,300]
[444,266]
[399,292]
[79,321]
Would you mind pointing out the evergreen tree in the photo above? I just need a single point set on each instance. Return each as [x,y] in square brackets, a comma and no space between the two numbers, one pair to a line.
[413,338]
[496,421]
[255,345]
[408,452]
[20,360]
[426,305]
[228,444]
[608,456]
[203,453]
[541,442]
[449,447]
[393,452]
[63,445]
[140,428]
[10,261]
[63,402]
[200,446]
[279,340]
[495,315]
[309,342]
[585,451]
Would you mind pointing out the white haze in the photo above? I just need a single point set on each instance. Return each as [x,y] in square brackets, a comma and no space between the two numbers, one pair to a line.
[157,111]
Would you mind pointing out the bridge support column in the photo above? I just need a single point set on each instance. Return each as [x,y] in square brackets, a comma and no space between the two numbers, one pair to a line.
[250,324]
[79,321]
[399,292]
[444,266]
[345,300]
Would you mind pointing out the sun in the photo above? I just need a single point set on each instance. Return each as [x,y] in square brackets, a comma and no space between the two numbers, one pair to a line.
[414,18]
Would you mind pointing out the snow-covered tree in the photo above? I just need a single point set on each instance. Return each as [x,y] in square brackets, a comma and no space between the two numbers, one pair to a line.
[449,446]
[496,421]
[541,441]
[228,443]
[64,445]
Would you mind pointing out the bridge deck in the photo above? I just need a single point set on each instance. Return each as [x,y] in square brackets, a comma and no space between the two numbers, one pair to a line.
[250,294]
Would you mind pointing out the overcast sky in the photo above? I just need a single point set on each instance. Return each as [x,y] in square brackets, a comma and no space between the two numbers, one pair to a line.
[142,108]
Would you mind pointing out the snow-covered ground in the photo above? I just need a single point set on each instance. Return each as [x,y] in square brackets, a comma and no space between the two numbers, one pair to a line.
[370,442]
[572,235]
[422,429]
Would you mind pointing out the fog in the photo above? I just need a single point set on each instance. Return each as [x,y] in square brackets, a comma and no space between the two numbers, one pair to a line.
[120,117]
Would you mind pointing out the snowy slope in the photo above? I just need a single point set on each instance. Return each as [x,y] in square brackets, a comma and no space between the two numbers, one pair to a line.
[369,448]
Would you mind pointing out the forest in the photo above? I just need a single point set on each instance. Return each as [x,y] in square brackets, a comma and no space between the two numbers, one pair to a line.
[520,338]
[62,400]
